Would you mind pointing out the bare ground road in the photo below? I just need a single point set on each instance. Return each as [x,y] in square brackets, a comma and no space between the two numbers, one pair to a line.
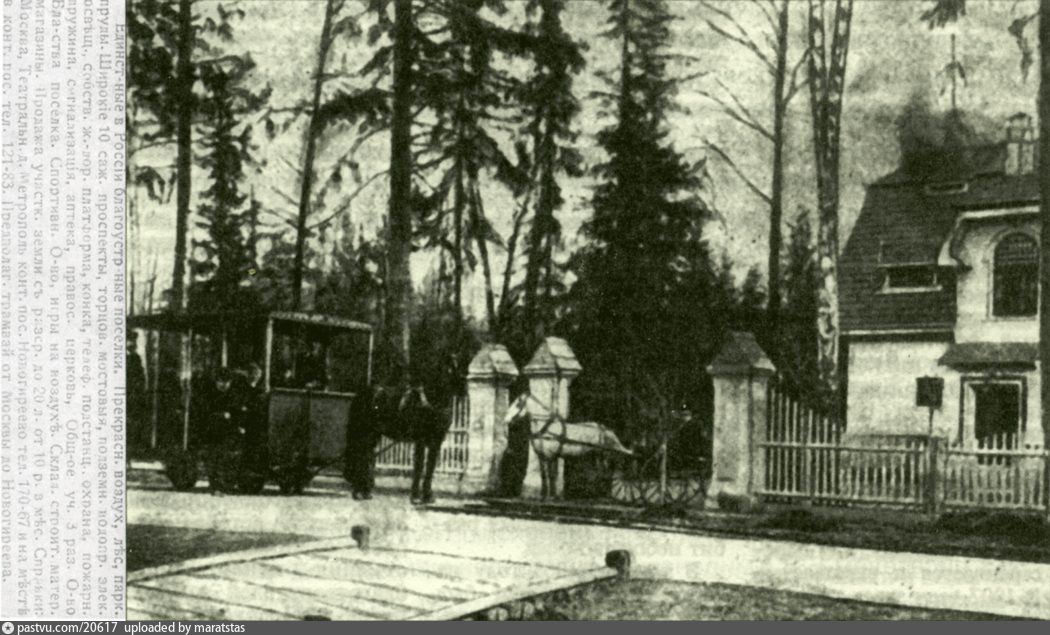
[942,582]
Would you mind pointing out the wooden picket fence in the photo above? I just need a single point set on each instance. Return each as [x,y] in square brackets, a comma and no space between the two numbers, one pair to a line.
[995,472]
[808,457]
[397,456]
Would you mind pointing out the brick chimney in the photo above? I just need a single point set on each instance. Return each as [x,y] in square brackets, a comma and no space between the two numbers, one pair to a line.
[1020,145]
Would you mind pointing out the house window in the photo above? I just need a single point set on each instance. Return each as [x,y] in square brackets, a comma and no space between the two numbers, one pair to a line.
[954,187]
[998,418]
[1016,277]
[910,278]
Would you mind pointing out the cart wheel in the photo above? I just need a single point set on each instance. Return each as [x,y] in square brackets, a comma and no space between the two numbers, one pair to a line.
[304,481]
[294,480]
[289,486]
[252,484]
[182,470]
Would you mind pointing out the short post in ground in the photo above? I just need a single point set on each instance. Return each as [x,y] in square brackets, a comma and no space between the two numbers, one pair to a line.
[361,534]
[619,559]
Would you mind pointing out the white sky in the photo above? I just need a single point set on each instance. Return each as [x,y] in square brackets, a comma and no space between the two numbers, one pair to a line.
[892,54]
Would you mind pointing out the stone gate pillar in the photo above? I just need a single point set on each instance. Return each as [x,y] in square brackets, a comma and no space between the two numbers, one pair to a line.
[489,377]
[550,372]
[740,373]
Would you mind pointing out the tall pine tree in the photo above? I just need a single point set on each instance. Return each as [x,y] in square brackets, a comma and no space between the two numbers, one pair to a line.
[448,99]
[551,107]
[647,276]
[225,212]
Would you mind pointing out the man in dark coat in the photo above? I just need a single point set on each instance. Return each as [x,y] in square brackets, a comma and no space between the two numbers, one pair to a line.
[222,415]
[138,430]
[363,433]
[252,421]
[311,367]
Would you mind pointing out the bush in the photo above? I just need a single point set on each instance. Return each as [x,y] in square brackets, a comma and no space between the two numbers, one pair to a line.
[800,520]
[1024,529]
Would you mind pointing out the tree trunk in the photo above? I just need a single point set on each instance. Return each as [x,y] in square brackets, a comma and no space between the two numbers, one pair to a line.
[184,143]
[541,223]
[458,196]
[399,279]
[308,160]
[1043,163]
[478,213]
[827,70]
[776,205]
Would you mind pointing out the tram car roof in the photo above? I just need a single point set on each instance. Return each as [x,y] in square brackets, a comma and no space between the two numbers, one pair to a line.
[218,320]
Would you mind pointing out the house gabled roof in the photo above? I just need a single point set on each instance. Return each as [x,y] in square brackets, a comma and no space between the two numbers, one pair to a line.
[906,221]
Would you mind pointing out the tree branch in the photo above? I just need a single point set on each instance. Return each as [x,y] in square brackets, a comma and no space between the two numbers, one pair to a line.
[768,12]
[742,37]
[739,112]
[349,200]
[286,197]
[740,173]
[793,84]
[154,144]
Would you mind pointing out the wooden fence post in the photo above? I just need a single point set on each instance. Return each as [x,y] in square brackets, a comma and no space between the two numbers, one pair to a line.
[807,457]
[932,493]
[1046,480]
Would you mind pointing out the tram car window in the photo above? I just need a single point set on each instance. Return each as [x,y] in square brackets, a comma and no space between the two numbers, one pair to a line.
[348,361]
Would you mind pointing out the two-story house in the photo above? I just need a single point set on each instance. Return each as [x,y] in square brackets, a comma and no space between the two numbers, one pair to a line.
[939,278]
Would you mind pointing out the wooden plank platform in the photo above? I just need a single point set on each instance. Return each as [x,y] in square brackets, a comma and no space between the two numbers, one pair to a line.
[339,580]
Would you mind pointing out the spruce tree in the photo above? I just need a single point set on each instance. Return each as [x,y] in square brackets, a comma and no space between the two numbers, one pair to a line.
[645,283]
[226,211]
[550,107]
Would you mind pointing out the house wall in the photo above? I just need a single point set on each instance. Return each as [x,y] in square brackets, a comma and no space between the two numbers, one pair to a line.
[882,374]
[975,320]
[882,388]
[882,392]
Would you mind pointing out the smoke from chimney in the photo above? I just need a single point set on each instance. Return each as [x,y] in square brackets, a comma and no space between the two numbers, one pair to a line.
[934,143]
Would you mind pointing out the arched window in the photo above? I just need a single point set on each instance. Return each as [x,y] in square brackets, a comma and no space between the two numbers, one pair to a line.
[1016,277]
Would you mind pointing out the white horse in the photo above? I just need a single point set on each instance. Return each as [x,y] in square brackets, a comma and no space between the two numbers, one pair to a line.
[554,438]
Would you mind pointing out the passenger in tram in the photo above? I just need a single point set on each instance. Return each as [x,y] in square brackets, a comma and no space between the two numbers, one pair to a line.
[311,367]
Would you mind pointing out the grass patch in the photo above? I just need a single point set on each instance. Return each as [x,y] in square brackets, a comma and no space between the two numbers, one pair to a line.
[1020,529]
[154,545]
[666,600]
[800,520]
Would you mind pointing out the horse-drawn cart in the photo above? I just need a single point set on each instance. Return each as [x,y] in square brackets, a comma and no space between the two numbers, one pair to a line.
[299,374]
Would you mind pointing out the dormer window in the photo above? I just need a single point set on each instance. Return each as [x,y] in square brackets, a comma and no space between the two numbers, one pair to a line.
[943,189]
[1016,277]
[911,278]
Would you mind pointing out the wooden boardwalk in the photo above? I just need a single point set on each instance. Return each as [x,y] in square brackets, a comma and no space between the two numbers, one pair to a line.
[339,580]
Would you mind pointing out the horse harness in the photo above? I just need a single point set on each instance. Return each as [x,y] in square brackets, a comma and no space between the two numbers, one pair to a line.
[563,438]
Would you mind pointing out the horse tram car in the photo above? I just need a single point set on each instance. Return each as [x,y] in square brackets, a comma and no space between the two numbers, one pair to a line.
[255,398]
